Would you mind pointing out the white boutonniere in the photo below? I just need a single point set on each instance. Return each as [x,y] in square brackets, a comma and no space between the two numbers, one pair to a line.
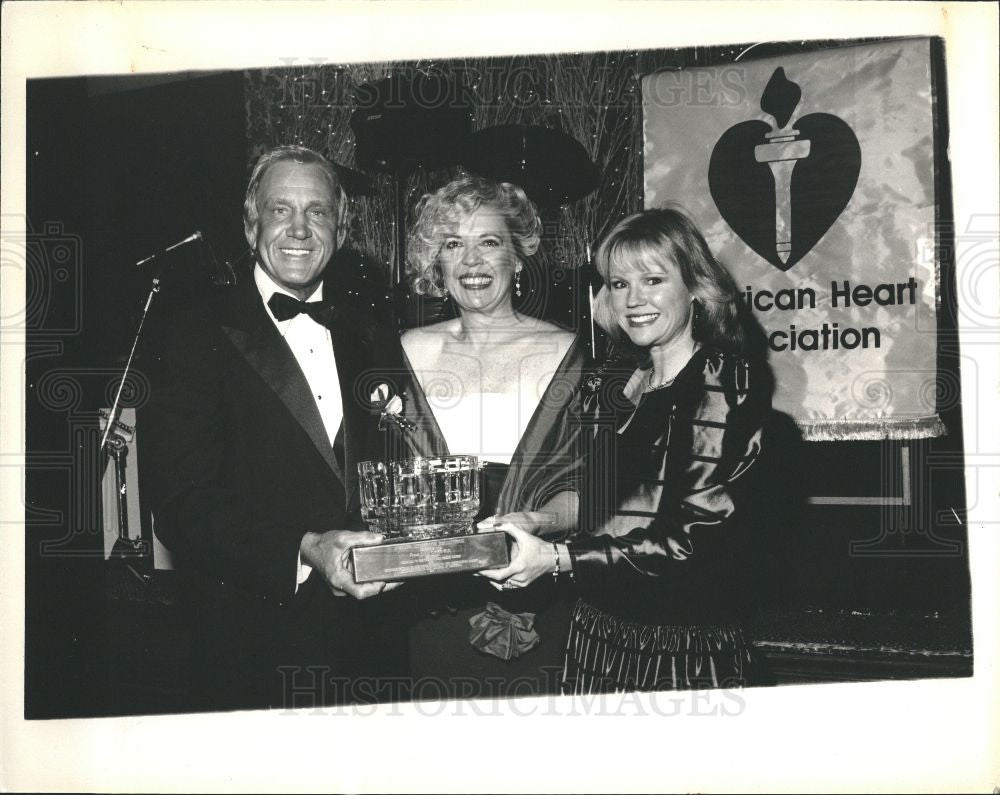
[390,407]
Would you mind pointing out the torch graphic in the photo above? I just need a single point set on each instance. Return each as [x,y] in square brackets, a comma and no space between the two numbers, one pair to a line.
[781,152]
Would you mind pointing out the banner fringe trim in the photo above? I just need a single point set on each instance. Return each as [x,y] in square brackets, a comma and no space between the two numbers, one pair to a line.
[872,430]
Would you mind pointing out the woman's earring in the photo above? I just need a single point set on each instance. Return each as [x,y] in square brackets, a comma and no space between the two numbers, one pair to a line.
[517,283]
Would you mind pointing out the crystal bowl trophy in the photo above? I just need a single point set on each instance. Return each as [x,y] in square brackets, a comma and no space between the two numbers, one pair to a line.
[423,508]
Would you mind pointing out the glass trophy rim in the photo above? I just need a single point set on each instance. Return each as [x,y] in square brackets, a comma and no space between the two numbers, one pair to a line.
[376,465]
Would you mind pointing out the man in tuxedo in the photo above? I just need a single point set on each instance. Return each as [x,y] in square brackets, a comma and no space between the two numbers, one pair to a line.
[257,419]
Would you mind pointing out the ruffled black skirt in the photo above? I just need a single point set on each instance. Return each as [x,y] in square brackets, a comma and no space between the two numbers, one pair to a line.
[606,654]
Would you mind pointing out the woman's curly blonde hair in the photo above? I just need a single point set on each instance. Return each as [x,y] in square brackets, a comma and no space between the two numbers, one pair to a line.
[438,215]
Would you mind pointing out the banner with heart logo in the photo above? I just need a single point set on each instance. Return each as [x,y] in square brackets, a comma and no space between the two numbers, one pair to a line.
[812,177]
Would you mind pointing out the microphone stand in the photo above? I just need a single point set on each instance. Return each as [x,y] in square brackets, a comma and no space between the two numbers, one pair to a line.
[115,408]
[113,443]
[117,435]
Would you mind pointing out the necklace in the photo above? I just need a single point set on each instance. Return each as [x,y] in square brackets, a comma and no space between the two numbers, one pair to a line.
[650,387]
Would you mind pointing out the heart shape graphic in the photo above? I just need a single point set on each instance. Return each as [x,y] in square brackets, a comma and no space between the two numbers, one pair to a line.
[822,183]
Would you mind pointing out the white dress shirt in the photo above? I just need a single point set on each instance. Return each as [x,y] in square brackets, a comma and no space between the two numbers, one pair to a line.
[312,347]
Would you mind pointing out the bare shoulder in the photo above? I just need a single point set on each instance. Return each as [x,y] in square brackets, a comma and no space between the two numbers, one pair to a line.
[423,345]
[550,333]
[546,342]
[532,325]
[424,335]
[411,338]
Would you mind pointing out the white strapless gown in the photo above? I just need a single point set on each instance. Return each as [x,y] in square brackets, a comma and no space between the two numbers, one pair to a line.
[488,425]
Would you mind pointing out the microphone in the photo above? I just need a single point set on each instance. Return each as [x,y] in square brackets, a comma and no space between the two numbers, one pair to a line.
[184,242]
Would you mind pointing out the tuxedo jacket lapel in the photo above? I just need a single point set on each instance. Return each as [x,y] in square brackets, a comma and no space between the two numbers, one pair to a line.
[258,341]
[351,350]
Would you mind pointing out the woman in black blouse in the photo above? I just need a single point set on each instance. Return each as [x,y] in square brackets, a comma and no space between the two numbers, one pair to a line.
[658,569]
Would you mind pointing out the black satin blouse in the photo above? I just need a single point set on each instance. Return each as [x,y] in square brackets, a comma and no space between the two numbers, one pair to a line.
[670,546]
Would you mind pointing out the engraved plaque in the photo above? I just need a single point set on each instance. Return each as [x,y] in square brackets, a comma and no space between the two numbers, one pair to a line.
[405,559]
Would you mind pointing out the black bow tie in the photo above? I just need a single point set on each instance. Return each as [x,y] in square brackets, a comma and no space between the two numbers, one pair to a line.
[284,307]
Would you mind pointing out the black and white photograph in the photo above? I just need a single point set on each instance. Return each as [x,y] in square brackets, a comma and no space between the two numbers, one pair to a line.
[593,390]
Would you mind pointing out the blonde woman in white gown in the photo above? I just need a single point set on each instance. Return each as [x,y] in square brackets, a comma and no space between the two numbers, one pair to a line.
[495,383]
